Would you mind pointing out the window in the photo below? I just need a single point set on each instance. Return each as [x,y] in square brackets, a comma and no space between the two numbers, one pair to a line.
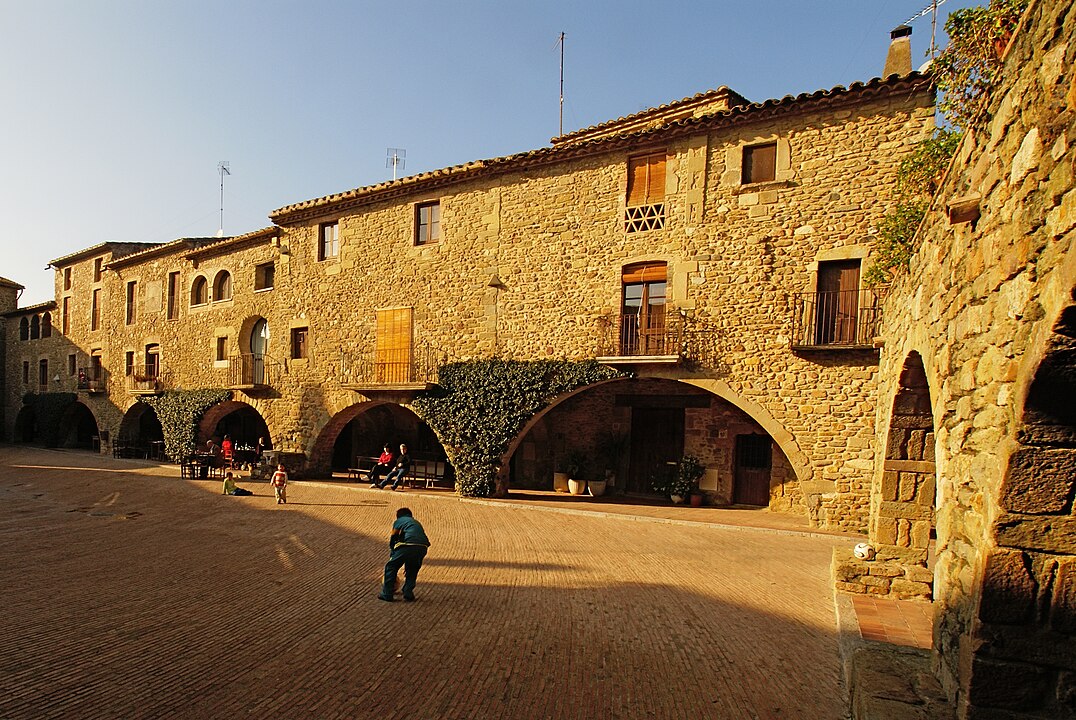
[173,296]
[199,291]
[222,349]
[222,286]
[97,264]
[427,223]
[26,372]
[71,364]
[130,302]
[67,278]
[759,163]
[46,325]
[43,373]
[392,356]
[66,319]
[35,327]
[95,310]
[642,311]
[153,361]
[128,363]
[646,193]
[328,241]
[24,329]
[264,276]
[298,343]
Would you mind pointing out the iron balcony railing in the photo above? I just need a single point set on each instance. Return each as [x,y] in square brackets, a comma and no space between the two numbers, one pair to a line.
[838,318]
[406,366]
[249,370]
[628,335]
[147,379]
[93,379]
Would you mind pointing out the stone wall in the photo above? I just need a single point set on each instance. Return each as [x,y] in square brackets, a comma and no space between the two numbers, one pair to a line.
[987,305]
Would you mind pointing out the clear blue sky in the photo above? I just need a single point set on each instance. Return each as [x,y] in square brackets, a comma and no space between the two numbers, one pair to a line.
[116,112]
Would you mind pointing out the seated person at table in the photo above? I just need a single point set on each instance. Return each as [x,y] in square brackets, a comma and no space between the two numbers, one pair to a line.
[230,488]
[384,463]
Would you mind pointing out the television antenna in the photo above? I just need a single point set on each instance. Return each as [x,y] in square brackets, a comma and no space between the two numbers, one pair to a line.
[224,168]
[395,158]
[560,42]
[932,8]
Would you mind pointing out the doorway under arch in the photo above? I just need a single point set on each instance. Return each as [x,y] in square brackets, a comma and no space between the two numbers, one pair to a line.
[140,427]
[361,430]
[78,428]
[661,420]
[26,425]
[242,422]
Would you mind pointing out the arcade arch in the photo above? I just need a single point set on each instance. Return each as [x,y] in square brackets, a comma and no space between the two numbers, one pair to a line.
[362,429]
[78,428]
[242,422]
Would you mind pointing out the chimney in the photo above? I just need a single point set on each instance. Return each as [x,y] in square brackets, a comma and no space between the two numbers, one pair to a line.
[899,59]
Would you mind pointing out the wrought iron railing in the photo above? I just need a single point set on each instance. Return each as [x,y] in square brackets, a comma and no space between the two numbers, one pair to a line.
[249,370]
[844,318]
[628,336]
[147,379]
[407,366]
[93,379]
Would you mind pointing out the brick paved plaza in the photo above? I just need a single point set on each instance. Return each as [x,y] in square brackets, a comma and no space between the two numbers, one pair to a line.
[129,592]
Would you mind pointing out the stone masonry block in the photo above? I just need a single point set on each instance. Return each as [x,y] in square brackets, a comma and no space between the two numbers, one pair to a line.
[920,533]
[906,589]
[890,484]
[887,531]
[1039,480]
[909,485]
[1008,685]
[1063,602]
[1049,533]
[1008,590]
[917,573]
[910,511]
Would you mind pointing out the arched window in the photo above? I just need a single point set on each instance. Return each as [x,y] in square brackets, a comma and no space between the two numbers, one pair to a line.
[46,325]
[35,327]
[199,291]
[222,286]
[24,329]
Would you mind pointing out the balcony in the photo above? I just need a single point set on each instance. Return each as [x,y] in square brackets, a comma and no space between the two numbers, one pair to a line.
[406,369]
[93,379]
[147,380]
[253,372]
[835,320]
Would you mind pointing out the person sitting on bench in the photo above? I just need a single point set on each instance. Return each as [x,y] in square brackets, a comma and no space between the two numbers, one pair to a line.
[384,465]
[397,474]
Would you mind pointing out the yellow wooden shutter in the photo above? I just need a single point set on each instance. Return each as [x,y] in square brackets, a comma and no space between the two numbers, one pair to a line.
[393,353]
[655,191]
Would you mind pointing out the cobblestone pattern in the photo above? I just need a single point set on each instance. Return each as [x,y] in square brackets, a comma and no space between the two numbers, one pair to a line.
[133,593]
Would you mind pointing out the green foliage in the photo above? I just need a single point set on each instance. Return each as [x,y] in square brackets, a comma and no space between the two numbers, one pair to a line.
[178,412]
[482,404]
[920,172]
[49,409]
[893,244]
[682,479]
[968,67]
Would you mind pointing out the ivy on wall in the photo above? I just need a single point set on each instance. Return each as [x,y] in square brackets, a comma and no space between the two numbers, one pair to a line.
[178,412]
[481,405]
[49,409]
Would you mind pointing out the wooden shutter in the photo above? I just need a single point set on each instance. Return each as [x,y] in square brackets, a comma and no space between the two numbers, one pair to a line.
[393,353]
[646,179]
[760,163]
[644,272]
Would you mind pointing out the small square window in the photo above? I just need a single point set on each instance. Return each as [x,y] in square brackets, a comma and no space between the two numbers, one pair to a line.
[131,294]
[427,223]
[328,241]
[71,365]
[43,373]
[759,163]
[299,347]
[264,276]
[222,348]
[67,278]
[97,265]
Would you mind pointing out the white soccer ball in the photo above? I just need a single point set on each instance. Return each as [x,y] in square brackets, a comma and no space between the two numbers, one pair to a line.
[863,551]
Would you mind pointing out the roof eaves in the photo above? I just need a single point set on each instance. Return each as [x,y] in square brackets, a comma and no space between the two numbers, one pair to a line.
[31,309]
[232,243]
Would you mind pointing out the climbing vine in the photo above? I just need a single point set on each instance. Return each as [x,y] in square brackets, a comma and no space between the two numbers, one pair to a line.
[178,412]
[481,405]
[48,409]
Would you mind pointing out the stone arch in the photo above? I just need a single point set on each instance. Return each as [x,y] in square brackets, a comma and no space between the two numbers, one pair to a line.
[236,418]
[78,428]
[361,430]
[35,327]
[140,426]
[222,286]
[791,461]
[902,521]
[1028,580]
[199,290]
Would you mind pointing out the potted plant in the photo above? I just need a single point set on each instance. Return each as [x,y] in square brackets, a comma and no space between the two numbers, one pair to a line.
[575,466]
[682,480]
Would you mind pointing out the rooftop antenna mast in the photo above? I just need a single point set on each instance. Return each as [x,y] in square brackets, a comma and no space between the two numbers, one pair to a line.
[560,41]
[396,158]
[932,8]
[224,168]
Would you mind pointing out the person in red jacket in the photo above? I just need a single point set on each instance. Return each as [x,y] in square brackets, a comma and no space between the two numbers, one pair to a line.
[385,462]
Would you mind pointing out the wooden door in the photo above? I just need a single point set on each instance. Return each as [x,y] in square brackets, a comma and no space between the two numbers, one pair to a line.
[754,458]
[657,438]
[838,302]
[392,360]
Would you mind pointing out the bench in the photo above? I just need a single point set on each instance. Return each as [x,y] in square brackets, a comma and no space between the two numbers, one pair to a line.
[429,472]
[363,466]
